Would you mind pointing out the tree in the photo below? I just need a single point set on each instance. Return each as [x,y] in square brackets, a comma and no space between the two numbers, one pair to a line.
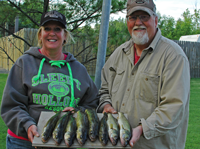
[78,13]
[184,26]
[167,25]
[117,34]
[188,24]
[196,17]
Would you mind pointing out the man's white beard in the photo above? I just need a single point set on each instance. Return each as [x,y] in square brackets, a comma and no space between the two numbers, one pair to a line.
[139,38]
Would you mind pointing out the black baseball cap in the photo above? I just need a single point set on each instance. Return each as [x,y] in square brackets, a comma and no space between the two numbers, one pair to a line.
[53,16]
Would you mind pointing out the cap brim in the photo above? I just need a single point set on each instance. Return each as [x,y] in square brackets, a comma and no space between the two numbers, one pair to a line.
[52,20]
[149,11]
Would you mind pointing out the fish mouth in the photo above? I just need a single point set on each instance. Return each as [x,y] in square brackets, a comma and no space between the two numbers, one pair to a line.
[44,139]
[124,143]
[80,142]
[67,144]
[92,138]
[113,141]
[57,142]
[104,143]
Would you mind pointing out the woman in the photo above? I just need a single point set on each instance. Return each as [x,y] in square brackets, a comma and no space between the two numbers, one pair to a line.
[44,79]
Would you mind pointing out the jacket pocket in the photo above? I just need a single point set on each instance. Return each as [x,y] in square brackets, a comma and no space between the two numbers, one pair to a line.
[148,87]
[117,80]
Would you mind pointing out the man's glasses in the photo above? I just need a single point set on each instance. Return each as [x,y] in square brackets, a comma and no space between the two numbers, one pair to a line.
[143,18]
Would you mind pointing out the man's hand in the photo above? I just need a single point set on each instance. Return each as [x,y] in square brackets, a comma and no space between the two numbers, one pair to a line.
[32,131]
[109,109]
[136,133]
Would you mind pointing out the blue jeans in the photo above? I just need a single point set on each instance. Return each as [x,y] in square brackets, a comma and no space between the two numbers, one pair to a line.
[14,143]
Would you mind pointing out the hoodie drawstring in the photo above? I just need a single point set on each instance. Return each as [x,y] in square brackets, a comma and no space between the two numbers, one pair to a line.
[40,70]
[73,102]
[58,63]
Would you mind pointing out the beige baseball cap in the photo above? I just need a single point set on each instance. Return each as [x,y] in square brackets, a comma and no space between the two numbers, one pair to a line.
[144,5]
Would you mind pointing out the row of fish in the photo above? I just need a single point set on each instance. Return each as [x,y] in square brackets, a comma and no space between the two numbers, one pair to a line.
[87,124]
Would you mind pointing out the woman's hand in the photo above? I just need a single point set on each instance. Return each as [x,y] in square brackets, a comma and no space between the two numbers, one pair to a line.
[32,131]
[68,109]
[109,109]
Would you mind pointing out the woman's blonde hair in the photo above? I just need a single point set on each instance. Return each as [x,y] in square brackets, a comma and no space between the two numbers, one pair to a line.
[68,36]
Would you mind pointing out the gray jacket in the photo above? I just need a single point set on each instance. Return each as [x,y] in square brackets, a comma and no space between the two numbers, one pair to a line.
[155,92]
[24,96]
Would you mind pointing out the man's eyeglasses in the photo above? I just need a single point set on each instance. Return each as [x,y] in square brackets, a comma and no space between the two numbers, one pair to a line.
[143,18]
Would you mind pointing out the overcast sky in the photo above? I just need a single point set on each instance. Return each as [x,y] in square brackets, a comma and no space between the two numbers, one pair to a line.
[174,8]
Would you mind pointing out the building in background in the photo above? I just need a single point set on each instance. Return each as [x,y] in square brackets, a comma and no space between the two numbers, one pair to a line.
[191,38]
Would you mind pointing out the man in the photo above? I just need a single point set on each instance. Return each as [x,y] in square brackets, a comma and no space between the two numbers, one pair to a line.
[148,78]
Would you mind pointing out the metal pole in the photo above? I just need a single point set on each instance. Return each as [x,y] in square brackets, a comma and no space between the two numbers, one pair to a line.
[7,27]
[16,23]
[103,36]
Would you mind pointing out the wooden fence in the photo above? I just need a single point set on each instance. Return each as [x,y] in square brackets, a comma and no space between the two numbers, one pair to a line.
[15,47]
[192,50]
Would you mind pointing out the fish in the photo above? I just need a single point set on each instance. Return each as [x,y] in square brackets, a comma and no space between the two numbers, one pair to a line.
[93,124]
[125,129]
[82,127]
[49,127]
[70,131]
[58,133]
[103,130]
[113,129]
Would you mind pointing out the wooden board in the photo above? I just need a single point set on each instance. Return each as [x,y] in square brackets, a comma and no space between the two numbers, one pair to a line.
[45,116]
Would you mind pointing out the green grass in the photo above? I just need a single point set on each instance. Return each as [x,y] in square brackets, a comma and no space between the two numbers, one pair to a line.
[193,135]
[92,77]
[3,130]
